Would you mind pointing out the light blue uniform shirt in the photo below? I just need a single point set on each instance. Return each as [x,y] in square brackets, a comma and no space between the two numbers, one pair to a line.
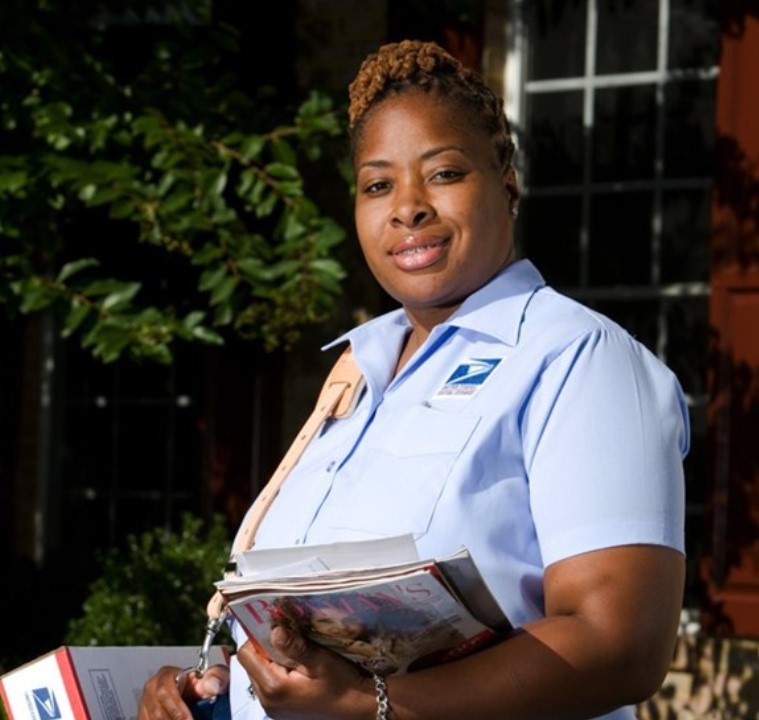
[527,428]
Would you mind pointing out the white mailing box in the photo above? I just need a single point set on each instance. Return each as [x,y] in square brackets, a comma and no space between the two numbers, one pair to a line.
[90,683]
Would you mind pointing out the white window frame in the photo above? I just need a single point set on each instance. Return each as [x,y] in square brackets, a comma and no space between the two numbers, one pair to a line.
[516,91]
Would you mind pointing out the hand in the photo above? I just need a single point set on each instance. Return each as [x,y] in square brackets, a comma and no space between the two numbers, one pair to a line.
[165,697]
[316,684]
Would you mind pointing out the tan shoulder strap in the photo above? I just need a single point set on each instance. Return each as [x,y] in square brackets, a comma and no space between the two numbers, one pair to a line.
[338,398]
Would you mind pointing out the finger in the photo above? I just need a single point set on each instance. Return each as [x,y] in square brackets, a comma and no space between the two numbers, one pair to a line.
[295,648]
[307,675]
[262,670]
[161,698]
[254,661]
[182,678]
[264,675]
[169,696]
[214,681]
[290,644]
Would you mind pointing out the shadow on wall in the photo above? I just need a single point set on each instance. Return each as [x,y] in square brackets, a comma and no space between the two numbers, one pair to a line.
[731,529]
[736,241]
[732,524]
[734,14]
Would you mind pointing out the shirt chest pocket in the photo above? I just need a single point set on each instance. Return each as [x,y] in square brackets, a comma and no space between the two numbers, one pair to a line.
[395,477]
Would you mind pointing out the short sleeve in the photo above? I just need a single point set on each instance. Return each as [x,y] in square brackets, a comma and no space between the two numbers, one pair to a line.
[604,436]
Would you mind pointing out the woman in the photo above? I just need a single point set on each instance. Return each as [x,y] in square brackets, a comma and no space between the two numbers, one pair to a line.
[498,415]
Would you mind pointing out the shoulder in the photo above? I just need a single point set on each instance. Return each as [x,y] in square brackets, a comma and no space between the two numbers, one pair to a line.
[562,319]
[581,356]
[557,327]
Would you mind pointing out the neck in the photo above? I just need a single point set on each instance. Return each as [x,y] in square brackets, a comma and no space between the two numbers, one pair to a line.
[423,319]
[411,343]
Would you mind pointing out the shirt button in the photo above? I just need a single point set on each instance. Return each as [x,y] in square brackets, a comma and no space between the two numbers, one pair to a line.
[330,466]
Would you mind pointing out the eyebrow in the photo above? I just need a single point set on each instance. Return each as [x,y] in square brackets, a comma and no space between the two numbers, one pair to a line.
[426,155]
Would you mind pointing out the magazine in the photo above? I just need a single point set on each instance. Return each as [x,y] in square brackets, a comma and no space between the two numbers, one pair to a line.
[391,613]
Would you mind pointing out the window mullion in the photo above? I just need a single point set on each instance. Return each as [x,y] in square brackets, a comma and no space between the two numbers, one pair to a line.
[591,29]
[658,199]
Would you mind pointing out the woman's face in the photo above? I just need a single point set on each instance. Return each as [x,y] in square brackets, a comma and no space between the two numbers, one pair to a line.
[334,622]
[432,204]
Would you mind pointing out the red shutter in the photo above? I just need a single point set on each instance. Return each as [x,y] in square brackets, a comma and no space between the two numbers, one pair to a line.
[732,559]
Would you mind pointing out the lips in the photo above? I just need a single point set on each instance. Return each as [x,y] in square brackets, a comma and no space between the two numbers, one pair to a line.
[417,253]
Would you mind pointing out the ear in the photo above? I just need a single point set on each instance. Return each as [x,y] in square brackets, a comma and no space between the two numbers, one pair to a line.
[511,186]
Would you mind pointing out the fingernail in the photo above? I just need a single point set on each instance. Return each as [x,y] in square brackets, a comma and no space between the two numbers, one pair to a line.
[213,685]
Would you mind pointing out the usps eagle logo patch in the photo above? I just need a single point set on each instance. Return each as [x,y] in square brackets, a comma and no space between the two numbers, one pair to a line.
[46,704]
[467,379]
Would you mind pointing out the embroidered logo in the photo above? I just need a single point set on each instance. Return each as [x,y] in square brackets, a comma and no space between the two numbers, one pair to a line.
[46,704]
[468,377]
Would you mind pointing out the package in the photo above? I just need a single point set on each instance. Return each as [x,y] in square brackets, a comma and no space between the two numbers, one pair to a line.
[90,683]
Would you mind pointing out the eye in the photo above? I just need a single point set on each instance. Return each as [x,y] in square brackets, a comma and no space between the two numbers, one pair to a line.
[376,188]
[447,175]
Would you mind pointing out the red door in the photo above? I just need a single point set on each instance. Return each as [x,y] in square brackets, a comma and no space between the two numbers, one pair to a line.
[732,560]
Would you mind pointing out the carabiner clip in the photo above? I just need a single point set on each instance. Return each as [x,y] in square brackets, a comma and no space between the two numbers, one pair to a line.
[212,628]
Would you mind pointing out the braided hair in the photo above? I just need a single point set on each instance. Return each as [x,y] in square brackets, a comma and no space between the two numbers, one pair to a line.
[415,65]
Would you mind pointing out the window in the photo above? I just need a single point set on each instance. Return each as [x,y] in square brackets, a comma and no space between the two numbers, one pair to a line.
[612,103]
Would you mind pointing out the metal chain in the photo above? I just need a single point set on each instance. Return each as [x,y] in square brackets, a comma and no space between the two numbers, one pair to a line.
[383,703]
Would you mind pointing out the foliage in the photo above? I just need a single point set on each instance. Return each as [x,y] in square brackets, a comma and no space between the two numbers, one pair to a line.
[145,194]
[155,591]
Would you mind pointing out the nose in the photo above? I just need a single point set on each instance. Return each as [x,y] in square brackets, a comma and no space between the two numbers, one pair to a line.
[412,207]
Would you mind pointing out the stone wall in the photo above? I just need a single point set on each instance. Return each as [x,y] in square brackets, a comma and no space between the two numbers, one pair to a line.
[710,678]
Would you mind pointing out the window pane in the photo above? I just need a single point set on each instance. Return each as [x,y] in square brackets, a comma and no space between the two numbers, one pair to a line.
[126,434]
[86,378]
[697,467]
[624,133]
[551,230]
[620,239]
[627,36]
[689,129]
[698,481]
[693,33]
[687,338]
[685,236]
[143,452]
[92,518]
[87,448]
[554,139]
[557,39]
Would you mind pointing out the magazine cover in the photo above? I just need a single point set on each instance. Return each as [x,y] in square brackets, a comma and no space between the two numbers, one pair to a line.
[387,625]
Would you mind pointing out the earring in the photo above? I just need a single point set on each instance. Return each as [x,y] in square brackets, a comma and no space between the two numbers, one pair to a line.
[514,210]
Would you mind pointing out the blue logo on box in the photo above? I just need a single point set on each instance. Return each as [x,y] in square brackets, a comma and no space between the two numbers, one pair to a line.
[46,704]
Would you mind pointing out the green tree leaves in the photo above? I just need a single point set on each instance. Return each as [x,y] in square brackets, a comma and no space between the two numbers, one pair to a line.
[154,591]
[161,158]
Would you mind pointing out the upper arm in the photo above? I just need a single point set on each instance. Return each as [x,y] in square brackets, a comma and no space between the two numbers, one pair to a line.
[608,428]
[604,434]
[627,601]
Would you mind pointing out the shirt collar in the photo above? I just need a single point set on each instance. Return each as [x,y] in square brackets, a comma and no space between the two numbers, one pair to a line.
[505,297]
[497,308]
